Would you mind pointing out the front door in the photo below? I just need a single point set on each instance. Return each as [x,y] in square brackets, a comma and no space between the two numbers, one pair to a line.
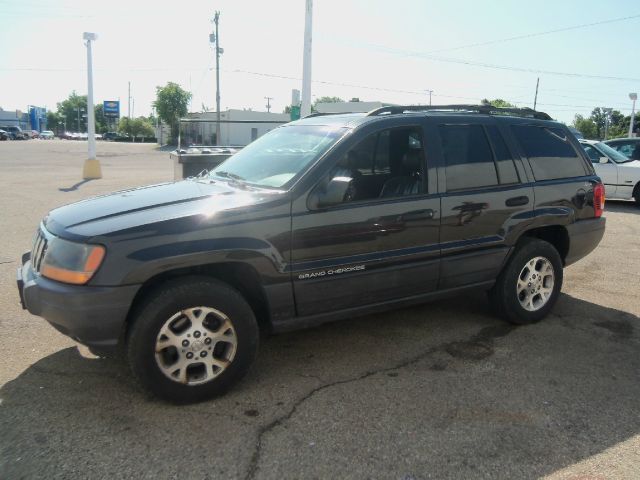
[608,172]
[381,241]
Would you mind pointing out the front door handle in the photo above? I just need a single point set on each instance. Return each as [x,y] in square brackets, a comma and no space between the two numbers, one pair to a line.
[517,201]
[427,214]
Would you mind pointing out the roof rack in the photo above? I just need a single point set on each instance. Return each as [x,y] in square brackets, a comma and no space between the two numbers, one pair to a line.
[484,109]
[322,114]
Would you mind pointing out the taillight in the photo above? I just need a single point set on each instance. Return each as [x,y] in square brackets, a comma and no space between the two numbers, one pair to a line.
[598,199]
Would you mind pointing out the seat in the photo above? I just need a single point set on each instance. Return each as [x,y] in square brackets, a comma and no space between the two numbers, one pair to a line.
[408,184]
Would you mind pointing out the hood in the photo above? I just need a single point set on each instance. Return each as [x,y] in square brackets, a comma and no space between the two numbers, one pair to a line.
[151,204]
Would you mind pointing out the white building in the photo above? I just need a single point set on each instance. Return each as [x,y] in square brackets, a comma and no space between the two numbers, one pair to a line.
[237,127]
[349,107]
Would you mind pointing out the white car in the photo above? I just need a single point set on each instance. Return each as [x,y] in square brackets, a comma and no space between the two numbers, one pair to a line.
[47,135]
[620,175]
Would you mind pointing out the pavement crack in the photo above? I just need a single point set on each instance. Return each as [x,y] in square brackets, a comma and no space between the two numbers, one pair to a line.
[485,336]
[255,458]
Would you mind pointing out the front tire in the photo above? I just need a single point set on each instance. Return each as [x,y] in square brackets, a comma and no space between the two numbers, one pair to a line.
[192,339]
[529,285]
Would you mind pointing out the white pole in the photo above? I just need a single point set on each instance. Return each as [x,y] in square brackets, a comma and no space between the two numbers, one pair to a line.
[91,121]
[633,114]
[305,108]
[92,165]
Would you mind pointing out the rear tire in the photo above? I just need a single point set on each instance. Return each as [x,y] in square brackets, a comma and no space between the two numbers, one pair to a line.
[192,339]
[529,285]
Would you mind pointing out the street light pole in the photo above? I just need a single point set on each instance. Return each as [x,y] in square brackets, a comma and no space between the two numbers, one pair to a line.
[305,108]
[633,97]
[92,166]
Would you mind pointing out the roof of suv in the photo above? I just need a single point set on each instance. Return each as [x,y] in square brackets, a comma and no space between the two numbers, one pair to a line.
[352,120]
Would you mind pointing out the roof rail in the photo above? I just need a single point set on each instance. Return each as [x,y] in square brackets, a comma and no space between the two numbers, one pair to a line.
[322,114]
[485,109]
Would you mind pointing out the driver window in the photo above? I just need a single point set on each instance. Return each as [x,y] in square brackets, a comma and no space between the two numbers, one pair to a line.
[594,155]
[386,164]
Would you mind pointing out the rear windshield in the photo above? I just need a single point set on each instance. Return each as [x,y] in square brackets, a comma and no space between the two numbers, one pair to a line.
[550,152]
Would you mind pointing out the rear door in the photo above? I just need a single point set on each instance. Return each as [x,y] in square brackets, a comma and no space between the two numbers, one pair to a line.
[564,176]
[485,195]
[381,242]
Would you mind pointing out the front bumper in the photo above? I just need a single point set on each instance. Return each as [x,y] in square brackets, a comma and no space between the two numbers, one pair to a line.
[584,237]
[94,316]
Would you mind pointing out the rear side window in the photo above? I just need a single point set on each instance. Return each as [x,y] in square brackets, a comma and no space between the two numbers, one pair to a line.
[468,157]
[550,154]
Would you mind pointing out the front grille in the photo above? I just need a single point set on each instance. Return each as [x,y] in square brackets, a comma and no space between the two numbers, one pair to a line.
[38,251]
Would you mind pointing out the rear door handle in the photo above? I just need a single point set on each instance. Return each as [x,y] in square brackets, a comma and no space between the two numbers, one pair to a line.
[427,214]
[517,201]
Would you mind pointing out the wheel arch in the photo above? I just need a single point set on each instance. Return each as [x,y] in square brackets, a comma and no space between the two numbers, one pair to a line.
[556,235]
[239,275]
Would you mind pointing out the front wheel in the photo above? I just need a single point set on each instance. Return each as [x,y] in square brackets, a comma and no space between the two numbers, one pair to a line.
[530,283]
[192,339]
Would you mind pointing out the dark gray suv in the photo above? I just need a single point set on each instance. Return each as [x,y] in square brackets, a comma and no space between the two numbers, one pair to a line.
[321,219]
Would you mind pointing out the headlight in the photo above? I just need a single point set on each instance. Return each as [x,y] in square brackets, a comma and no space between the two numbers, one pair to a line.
[71,262]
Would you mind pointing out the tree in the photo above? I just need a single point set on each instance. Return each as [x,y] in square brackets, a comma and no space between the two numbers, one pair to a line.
[55,121]
[74,110]
[497,102]
[327,100]
[586,126]
[136,127]
[171,104]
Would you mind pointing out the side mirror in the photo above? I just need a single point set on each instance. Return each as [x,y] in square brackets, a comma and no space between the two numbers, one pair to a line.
[332,193]
[604,160]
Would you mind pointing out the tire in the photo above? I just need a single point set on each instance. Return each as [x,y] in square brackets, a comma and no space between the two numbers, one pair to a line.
[636,195]
[511,296]
[178,318]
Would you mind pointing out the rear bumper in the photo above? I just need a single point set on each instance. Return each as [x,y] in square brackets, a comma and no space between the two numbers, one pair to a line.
[584,237]
[94,316]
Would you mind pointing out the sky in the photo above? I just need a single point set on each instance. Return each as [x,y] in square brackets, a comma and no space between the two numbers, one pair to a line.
[373,50]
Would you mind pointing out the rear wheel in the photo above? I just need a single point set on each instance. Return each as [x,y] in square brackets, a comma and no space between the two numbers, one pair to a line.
[530,283]
[636,194]
[192,340]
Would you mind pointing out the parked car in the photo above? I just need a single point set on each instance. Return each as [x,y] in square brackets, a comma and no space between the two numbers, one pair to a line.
[15,132]
[29,134]
[620,175]
[111,136]
[321,219]
[47,135]
[4,135]
[629,147]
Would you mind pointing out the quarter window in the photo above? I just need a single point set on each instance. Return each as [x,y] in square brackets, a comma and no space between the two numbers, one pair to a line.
[550,153]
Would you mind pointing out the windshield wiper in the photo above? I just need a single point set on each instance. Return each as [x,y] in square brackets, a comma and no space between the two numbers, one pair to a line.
[233,176]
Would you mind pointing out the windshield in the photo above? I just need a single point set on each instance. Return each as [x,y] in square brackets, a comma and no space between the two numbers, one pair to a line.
[611,153]
[276,158]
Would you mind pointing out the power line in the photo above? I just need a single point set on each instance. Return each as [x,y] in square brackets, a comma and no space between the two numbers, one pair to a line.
[532,35]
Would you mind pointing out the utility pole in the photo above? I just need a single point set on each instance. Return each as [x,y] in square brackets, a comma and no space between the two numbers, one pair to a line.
[305,108]
[535,99]
[268,99]
[429,92]
[129,102]
[633,97]
[216,20]
[607,112]
[133,106]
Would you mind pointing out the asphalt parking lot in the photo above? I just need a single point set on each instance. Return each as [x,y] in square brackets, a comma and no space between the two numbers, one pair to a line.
[443,390]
